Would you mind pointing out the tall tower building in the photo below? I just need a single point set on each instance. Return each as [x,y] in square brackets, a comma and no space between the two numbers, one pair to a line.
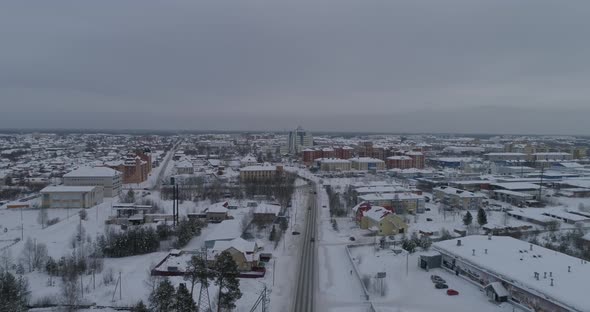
[298,140]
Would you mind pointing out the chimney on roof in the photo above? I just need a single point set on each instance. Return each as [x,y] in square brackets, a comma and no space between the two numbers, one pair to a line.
[531,247]
[536,276]
[550,274]
[458,242]
[486,251]
[473,252]
[489,236]
[551,282]
[569,268]
[544,274]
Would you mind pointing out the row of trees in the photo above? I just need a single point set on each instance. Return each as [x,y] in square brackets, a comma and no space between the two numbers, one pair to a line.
[482,218]
[223,273]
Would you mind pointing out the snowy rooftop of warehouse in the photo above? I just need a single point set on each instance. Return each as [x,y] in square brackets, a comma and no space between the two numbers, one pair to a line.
[505,154]
[454,191]
[92,172]
[267,208]
[389,196]
[67,189]
[513,260]
[380,189]
[515,186]
[259,168]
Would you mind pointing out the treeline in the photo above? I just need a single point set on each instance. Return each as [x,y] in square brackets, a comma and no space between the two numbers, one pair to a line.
[142,240]
[281,188]
[336,208]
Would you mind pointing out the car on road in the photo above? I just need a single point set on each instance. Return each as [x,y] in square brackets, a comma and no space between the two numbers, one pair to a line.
[312,239]
[441,286]
[324,206]
[295,233]
[428,219]
[352,239]
[452,292]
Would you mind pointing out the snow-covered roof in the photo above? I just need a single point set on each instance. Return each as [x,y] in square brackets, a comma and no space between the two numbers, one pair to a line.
[220,207]
[366,160]
[92,172]
[376,213]
[259,168]
[228,229]
[515,186]
[68,189]
[499,289]
[267,208]
[388,196]
[457,192]
[514,261]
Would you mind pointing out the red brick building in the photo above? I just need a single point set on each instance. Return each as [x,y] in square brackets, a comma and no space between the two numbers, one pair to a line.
[135,168]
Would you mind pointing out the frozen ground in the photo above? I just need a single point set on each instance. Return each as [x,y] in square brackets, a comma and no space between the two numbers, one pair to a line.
[280,277]
[408,288]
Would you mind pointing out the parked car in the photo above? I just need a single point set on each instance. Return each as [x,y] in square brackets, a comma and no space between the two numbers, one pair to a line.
[437,279]
[441,286]
[428,219]
[295,233]
[452,292]
[352,239]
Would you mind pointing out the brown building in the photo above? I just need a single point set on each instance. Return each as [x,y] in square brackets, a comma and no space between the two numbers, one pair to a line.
[135,168]
[310,155]
[400,162]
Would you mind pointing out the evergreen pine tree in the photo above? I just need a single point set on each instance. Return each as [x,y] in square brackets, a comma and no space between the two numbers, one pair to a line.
[140,307]
[197,272]
[482,218]
[226,277]
[13,293]
[162,298]
[184,301]
[273,234]
[467,219]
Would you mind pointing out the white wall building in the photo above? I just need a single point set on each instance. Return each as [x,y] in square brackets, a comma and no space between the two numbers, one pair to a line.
[71,196]
[109,179]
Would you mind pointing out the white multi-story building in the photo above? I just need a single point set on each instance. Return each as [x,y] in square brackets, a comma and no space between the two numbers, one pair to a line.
[109,179]
[298,140]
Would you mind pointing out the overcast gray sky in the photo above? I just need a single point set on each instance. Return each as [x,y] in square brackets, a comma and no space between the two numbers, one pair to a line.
[503,66]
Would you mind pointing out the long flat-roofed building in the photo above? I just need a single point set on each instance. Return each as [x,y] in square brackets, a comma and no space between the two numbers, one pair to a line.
[109,179]
[526,275]
[71,196]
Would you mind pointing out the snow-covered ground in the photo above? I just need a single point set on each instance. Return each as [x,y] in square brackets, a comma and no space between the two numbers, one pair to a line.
[409,288]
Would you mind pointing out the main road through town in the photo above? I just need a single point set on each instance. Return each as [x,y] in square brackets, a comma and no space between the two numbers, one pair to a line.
[305,288]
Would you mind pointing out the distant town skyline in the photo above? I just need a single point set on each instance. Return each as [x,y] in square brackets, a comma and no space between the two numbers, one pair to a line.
[456,66]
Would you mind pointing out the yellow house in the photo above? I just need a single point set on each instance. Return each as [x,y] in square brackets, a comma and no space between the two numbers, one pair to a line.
[383,221]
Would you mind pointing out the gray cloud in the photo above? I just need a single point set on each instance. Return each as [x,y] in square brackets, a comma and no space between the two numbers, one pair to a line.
[329,65]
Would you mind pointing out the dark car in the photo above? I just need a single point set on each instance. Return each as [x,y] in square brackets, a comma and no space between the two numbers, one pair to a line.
[428,219]
[295,233]
[312,239]
[352,239]
[441,286]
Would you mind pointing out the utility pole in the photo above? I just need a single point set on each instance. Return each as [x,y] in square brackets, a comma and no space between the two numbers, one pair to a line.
[541,184]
